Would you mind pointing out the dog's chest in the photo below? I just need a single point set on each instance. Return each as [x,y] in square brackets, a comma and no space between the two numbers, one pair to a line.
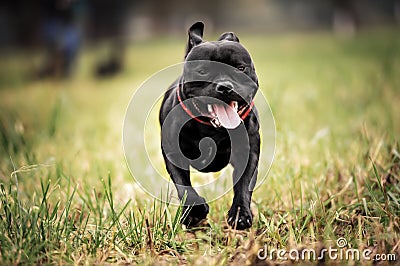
[210,141]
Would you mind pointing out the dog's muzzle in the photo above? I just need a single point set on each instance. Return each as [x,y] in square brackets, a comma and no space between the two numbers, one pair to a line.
[221,114]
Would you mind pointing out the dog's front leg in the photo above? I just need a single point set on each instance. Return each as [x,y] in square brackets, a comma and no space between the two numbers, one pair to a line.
[245,158]
[195,206]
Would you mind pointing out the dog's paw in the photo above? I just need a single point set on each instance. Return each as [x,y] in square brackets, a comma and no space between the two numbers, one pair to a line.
[240,217]
[195,212]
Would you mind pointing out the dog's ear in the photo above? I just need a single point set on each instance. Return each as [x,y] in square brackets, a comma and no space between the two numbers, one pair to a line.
[195,36]
[229,36]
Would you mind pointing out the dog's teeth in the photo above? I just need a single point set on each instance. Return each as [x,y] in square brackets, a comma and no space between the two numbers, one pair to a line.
[210,108]
[235,105]
[248,221]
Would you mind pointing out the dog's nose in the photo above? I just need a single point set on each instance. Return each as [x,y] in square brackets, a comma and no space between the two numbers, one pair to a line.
[224,87]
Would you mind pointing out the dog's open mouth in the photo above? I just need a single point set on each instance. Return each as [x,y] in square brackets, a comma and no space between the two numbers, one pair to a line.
[225,115]
[221,114]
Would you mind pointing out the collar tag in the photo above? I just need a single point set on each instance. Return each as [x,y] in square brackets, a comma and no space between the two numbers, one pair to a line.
[215,122]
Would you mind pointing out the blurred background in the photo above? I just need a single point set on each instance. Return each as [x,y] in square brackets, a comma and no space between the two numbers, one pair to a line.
[60,28]
[329,69]
[68,69]
[26,23]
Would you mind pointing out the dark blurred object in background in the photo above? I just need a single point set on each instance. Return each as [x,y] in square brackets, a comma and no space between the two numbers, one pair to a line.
[113,64]
[60,33]
[107,22]
[344,17]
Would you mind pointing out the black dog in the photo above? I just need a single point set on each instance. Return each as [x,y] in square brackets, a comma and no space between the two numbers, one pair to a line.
[206,103]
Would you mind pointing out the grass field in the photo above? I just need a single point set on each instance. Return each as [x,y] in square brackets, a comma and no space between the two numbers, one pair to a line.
[67,196]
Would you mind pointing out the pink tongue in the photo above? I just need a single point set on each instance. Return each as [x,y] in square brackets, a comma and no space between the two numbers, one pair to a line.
[227,116]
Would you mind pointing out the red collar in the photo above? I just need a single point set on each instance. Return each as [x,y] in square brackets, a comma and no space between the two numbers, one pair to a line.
[243,112]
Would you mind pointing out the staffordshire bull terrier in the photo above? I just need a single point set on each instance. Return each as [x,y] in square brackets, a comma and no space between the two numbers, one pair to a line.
[203,116]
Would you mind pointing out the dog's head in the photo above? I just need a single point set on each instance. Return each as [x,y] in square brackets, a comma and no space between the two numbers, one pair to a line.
[220,70]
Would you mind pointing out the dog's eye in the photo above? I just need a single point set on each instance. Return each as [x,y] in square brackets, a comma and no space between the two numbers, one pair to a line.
[202,72]
[241,68]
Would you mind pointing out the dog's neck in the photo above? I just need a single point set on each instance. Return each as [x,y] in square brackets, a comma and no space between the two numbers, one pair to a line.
[183,101]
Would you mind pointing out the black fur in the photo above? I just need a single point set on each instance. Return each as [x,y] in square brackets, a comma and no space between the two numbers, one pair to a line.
[226,50]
